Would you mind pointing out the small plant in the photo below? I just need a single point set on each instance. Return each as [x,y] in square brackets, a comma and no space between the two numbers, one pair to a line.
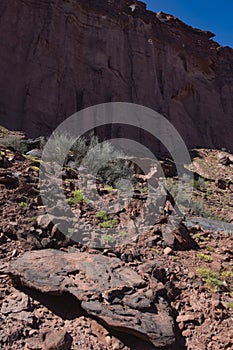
[101,215]
[200,184]
[230,305]
[144,190]
[109,223]
[23,205]
[206,258]
[77,197]
[123,233]
[198,208]
[197,235]
[212,282]
[210,249]
[109,239]
[227,276]
[108,188]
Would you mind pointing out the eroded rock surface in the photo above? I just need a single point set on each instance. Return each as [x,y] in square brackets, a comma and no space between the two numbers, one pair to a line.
[58,57]
[107,289]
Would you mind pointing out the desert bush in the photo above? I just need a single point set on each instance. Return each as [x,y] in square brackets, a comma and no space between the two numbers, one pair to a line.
[200,184]
[103,160]
[77,197]
[109,223]
[197,208]
[100,159]
[205,257]
[211,279]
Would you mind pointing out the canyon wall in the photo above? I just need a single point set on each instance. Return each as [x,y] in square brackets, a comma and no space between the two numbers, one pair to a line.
[60,56]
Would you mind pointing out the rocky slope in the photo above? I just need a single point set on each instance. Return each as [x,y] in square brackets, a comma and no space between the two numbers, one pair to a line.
[58,57]
[167,288]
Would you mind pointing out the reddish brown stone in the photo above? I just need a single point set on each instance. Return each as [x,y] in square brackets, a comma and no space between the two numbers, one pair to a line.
[107,289]
[62,56]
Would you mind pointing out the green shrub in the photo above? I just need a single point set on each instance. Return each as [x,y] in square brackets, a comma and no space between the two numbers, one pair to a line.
[227,276]
[103,160]
[109,223]
[108,188]
[212,282]
[206,258]
[97,158]
[77,197]
[198,209]
[23,205]
[109,239]
[101,215]
[123,233]
[200,184]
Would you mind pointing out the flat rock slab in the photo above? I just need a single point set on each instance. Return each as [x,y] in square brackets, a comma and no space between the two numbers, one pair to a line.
[106,288]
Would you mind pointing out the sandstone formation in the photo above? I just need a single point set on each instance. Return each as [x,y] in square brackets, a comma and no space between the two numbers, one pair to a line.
[58,57]
[107,289]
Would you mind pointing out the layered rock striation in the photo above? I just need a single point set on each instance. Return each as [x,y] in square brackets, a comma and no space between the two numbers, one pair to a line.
[60,56]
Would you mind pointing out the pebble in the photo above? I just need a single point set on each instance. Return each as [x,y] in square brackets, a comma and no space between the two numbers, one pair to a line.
[168,251]
[185,318]
[14,253]
[187,333]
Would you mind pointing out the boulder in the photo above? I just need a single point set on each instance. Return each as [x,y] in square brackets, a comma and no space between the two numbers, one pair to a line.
[107,289]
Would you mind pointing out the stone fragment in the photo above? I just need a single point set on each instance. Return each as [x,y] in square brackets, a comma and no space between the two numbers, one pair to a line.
[167,251]
[33,344]
[45,221]
[57,340]
[168,236]
[186,318]
[15,303]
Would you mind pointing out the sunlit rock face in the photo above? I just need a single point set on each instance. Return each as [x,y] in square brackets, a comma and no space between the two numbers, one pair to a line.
[58,57]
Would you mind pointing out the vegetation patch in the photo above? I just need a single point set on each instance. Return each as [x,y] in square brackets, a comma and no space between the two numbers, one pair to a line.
[205,257]
[123,233]
[211,279]
[23,205]
[102,215]
[109,239]
[227,276]
[77,197]
[109,223]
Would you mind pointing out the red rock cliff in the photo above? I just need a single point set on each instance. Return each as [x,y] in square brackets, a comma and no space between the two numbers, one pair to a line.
[59,56]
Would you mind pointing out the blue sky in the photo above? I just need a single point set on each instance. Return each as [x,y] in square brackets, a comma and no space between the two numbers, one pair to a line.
[213,15]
